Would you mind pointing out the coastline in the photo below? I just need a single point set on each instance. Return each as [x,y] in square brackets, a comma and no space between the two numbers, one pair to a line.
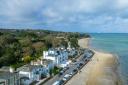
[101,70]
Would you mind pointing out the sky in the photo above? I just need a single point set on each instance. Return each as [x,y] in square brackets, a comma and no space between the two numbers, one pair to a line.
[109,16]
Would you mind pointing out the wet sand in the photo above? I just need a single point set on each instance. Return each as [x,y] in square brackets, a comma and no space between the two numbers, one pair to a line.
[101,70]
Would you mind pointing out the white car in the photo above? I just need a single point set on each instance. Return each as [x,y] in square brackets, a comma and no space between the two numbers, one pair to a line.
[56,83]
[71,74]
[67,76]
[64,79]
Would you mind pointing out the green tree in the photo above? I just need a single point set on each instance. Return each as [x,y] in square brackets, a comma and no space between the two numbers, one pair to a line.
[39,48]
[74,42]
[27,59]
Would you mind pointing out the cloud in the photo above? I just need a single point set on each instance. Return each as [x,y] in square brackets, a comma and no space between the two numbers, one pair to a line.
[66,15]
[20,9]
[122,4]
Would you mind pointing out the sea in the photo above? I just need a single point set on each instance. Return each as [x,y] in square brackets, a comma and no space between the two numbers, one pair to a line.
[115,43]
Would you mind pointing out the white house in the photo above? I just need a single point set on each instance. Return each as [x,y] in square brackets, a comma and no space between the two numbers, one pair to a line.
[59,57]
[30,73]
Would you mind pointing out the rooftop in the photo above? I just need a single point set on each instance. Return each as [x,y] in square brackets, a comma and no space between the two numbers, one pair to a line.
[28,68]
[55,52]
[5,68]
[6,75]
[46,61]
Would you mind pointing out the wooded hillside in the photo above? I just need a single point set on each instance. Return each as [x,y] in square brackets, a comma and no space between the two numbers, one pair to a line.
[18,47]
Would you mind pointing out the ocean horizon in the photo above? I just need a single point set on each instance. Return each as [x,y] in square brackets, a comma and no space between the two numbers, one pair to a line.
[115,43]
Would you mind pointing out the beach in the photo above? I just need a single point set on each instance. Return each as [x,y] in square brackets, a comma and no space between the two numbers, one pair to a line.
[102,69]
[84,42]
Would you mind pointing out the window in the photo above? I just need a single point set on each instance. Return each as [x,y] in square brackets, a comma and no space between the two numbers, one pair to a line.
[2,83]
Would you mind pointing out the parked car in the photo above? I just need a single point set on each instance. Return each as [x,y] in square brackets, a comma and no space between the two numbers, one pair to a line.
[65,68]
[61,73]
[67,76]
[78,67]
[75,70]
[56,83]
[75,63]
[74,60]
[61,82]
[71,74]
[80,64]
[64,79]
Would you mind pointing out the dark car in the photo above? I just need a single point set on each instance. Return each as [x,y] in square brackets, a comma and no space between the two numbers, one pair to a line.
[67,67]
[78,67]
[74,60]
[61,73]
[80,64]
[63,70]
[61,82]
[75,70]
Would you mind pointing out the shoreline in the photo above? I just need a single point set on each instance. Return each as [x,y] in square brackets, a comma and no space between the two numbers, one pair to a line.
[104,72]
[101,70]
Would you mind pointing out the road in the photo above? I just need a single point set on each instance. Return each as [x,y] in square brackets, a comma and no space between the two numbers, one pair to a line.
[71,68]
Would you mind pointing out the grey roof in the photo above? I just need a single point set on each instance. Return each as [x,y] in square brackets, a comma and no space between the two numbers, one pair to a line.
[46,61]
[5,68]
[28,68]
[6,75]
[52,55]
[57,52]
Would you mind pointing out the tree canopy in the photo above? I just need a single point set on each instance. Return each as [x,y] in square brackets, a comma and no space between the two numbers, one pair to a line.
[16,45]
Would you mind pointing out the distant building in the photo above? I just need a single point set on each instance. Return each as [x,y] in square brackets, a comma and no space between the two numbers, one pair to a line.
[59,57]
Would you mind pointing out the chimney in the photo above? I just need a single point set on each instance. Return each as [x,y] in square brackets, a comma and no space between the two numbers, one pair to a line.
[32,62]
[12,70]
[44,54]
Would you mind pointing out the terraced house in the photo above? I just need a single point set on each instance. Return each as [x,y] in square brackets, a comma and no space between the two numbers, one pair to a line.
[30,73]
[59,57]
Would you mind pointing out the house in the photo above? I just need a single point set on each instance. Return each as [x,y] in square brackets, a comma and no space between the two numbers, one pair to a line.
[61,48]
[36,62]
[46,63]
[59,57]
[30,73]
[9,77]
[71,50]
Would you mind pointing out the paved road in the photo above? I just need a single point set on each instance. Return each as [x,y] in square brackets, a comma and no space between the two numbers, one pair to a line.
[71,68]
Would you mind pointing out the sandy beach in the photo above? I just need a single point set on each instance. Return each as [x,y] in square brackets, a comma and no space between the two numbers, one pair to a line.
[84,43]
[101,70]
